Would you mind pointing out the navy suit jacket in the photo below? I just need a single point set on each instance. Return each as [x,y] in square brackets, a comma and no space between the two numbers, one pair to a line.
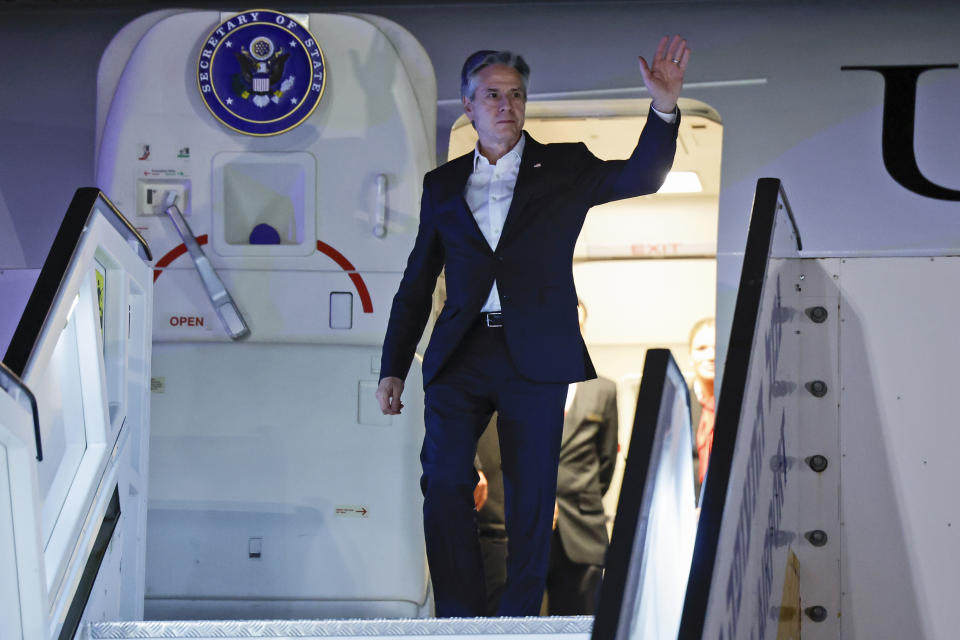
[533,262]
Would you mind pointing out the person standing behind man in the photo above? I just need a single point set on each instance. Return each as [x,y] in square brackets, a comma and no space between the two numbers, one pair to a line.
[502,221]
[588,454]
[703,340]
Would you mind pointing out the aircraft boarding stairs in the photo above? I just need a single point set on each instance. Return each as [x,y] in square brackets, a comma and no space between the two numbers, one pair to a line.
[783,543]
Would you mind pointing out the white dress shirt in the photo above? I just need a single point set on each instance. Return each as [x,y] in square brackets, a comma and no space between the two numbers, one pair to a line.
[571,394]
[489,192]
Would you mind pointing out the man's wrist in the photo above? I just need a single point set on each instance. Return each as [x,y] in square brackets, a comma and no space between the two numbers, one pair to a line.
[667,116]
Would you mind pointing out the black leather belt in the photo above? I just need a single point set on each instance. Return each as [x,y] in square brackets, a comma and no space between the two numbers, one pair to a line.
[491,319]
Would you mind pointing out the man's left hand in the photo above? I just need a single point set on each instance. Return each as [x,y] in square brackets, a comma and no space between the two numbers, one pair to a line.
[480,492]
[664,76]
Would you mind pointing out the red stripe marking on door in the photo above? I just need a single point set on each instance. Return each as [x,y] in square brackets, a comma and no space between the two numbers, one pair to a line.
[324,248]
[347,266]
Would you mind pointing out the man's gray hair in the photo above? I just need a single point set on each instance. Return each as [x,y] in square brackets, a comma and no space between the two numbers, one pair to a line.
[484,58]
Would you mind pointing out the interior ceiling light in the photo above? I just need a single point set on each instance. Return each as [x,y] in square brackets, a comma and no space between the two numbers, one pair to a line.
[681,182]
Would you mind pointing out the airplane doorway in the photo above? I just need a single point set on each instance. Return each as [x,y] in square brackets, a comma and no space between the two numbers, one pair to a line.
[645,267]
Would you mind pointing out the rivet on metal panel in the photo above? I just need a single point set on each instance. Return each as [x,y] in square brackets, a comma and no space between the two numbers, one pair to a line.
[816,537]
[817,387]
[817,462]
[817,314]
[817,613]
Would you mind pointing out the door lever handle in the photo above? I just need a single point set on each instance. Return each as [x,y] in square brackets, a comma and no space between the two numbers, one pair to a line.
[220,298]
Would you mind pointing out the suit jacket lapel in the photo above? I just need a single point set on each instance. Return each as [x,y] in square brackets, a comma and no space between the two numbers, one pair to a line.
[460,170]
[530,164]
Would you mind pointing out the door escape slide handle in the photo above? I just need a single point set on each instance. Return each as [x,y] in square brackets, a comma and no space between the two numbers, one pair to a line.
[223,304]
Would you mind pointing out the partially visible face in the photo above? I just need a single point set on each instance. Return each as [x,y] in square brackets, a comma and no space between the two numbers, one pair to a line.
[498,105]
[703,352]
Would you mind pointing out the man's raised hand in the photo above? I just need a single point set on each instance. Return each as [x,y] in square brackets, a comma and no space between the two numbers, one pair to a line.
[664,76]
[388,395]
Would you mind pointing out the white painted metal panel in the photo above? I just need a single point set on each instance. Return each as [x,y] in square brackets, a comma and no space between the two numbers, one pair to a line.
[279,458]
[898,357]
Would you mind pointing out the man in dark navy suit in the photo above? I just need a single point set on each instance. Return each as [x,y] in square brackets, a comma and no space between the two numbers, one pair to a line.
[503,222]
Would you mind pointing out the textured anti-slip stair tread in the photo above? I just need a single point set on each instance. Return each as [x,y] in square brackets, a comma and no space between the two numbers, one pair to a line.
[340,628]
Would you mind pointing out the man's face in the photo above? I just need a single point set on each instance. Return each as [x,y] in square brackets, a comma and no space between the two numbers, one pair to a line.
[702,350]
[498,105]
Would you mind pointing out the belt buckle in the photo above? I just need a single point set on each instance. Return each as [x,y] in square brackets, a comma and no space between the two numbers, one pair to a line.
[494,320]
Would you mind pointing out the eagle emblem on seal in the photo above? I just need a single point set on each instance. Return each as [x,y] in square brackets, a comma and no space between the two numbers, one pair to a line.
[261,73]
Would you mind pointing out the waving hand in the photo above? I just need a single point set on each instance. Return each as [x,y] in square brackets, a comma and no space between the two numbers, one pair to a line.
[664,76]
